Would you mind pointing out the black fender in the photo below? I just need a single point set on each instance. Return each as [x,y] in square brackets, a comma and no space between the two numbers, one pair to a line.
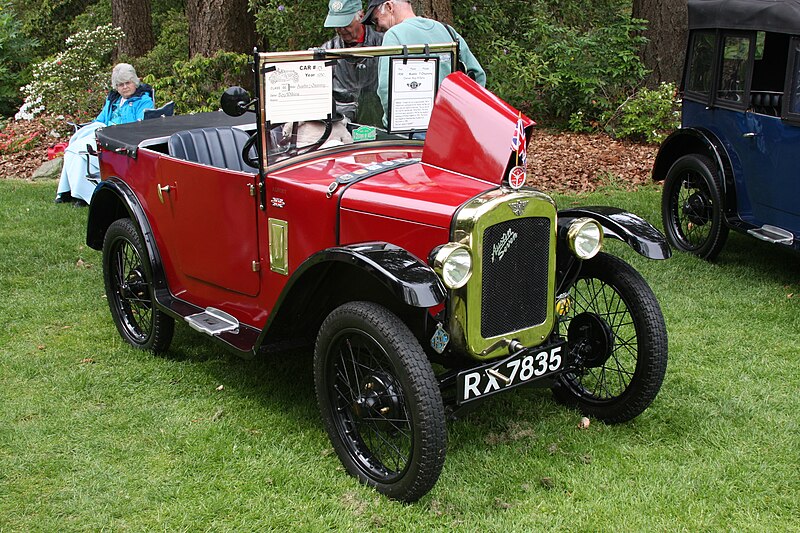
[114,199]
[697,141]
[622,225]
[376,271]
[409,279]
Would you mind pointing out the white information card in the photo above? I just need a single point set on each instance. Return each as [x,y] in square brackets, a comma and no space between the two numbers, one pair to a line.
[413,88]
[298,91]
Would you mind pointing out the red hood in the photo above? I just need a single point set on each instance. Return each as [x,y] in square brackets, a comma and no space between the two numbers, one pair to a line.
[470,130]
[417,192]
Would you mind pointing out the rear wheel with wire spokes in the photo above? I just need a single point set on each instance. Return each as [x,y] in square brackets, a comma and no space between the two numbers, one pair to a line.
[129,289]
[691,207]
[616,334]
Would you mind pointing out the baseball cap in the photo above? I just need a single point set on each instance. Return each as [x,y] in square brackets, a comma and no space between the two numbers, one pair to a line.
[370,11]
[341,12]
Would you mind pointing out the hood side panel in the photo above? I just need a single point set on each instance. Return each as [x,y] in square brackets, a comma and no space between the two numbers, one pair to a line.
[417,193]
[419,239]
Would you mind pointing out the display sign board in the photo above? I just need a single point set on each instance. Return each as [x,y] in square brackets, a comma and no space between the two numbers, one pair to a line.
[298,91]
[412,89]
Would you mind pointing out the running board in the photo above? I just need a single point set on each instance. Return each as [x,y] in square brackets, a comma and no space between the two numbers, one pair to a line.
[772,234]
[212,321]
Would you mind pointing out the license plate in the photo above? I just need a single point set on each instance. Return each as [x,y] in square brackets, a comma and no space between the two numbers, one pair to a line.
[525,367]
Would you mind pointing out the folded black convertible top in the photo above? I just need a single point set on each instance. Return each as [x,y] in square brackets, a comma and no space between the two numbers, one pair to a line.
[128,137]
[782,16]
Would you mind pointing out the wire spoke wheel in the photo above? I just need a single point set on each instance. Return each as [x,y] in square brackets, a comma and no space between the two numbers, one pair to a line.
[129,289]
[379,400]
[373,414]
[617,337]
[691,207]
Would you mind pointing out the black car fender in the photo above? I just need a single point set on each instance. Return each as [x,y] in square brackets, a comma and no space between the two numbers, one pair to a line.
[409,278]
[697,141]
[632,229]
[114,199]
[374,271]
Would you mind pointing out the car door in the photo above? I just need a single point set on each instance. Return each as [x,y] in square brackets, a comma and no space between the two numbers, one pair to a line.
[765,142]
[214,217]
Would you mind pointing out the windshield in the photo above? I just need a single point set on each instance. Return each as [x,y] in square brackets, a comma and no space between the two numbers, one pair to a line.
[328,97]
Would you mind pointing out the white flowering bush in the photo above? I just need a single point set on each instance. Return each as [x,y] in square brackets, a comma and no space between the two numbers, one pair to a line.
[73,82]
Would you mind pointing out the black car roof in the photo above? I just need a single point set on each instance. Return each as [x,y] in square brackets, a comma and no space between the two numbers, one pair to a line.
[128,137]
[782,16]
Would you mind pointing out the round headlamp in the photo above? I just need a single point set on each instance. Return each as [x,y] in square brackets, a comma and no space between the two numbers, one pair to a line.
[453,263]
[585,237]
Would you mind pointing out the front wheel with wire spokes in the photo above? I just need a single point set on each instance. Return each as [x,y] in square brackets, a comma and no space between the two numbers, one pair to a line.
[616,334]
[129,289]
[379,400]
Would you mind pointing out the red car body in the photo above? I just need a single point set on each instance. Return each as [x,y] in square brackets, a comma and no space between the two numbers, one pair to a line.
[358,245]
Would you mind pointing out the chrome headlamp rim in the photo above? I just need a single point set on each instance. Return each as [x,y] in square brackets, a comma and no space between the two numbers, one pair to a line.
[444,255]
[579,228]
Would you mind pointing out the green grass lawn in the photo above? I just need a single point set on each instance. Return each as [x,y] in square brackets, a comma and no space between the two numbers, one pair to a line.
[96,435]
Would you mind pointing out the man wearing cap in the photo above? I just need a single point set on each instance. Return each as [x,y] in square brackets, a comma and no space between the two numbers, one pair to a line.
[355,80]
[402,26]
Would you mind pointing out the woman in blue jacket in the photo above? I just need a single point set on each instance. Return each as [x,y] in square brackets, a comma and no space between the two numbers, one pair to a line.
[126,102]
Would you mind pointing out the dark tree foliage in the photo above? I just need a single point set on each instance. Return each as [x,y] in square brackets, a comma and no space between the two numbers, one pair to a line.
[216,25]
[666,38]
[48,21]
[133,16]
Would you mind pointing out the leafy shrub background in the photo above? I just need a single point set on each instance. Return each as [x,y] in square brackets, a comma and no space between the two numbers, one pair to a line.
[16,53]
[76,80]
[291,24]
[648,116]
[553,60]
[568,64]
[197,84]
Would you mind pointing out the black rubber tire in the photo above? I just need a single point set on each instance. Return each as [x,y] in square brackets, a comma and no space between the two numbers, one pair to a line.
[619,380]
[380,401]
[692,207]
[129,289]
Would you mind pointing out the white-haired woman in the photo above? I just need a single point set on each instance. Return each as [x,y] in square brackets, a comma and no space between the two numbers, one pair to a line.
[126,102]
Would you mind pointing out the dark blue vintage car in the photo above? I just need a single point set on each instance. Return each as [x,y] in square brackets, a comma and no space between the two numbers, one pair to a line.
[734,162]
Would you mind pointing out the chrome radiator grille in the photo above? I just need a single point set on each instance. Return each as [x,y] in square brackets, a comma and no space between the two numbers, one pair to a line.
[515,275]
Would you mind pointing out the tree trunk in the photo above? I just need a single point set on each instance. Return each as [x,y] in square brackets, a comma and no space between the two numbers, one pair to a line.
[441,10]
[666,33]
[133,16]
[220,25]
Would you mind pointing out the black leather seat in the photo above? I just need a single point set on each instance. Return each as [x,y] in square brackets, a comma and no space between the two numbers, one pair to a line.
[218,147]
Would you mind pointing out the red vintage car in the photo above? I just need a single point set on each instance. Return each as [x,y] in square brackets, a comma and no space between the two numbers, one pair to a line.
[425,274]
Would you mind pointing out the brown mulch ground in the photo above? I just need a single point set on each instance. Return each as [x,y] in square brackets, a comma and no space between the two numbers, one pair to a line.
[557,162]
[22,163]
[579,162]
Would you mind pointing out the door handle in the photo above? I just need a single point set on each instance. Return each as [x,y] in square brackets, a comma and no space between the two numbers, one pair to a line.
[161,190]
[749,134]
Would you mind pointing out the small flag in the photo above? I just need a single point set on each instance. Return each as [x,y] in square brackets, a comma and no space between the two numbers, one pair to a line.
[518,142]
[518,174]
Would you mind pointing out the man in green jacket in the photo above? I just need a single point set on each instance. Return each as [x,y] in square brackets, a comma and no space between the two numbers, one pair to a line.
[401,26]
[355,80]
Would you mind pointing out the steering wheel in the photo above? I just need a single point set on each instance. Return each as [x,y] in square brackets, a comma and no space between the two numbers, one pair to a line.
[248,146]
[319,142]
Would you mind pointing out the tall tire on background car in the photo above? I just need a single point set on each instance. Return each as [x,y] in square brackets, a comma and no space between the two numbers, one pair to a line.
[380,401]
[691,207]
[616,334]
[129,289]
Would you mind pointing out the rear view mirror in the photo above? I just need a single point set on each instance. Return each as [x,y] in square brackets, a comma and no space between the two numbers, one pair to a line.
[235,101]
